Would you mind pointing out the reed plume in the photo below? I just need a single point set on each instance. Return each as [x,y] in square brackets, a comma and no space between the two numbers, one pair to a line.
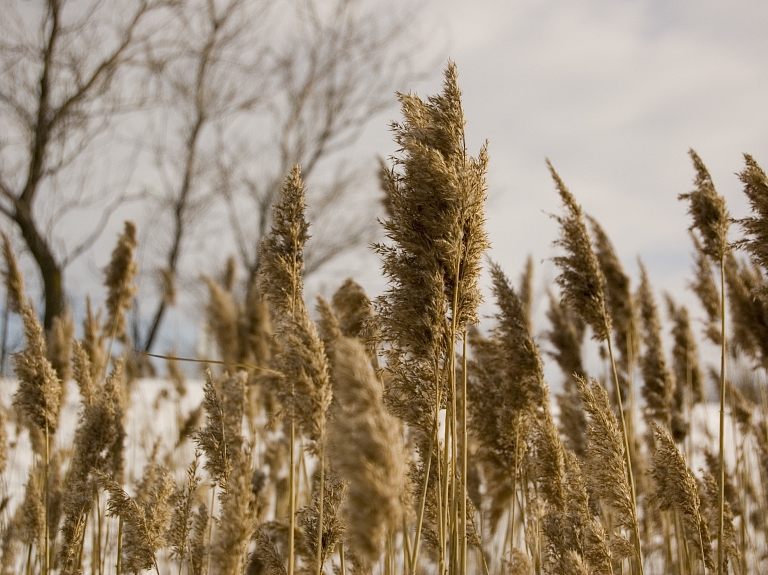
[59,347]
[689,379]
[755,228]
[96,436]
[705,288]
[305,387]
[580,278]
[676,490]
[353,309]
[237,519]
[508,390]
[365,449]
[436,194]
[118,280]
[182,504]
[749,310]
[567,336]
[711,221]
[526,292]
[604,468]
[212,439]
[222,315]
[145,517]
[583,285]
[619,302]
[657,380]
[324,531]
[93,340]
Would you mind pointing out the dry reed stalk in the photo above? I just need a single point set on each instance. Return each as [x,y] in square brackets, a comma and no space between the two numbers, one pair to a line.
[705,288]
[198,549]
[749,310]
[583,285]
[436,195]
[181,525]
[711,220]
[93,340]
[605,469]
[237,518]
[144,518]
[38,395]
[689,380]
[507,391]
[96,436]
[323,531]
[305,388]
[677,490]
[620,303]
[567,336]
[526,291]
[118,280]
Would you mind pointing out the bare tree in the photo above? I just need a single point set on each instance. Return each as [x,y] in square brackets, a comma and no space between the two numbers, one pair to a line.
[337,65]
[254,87]
[66,69]
[212,79]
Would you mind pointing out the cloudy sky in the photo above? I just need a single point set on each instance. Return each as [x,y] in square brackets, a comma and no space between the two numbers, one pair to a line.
[614,94]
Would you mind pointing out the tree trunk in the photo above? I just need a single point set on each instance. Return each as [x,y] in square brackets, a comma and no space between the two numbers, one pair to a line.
[50,270]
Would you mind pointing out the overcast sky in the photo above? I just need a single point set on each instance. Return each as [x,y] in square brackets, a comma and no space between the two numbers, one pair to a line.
[614,94]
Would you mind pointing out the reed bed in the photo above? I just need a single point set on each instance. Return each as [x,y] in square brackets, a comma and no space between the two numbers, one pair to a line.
[398,435]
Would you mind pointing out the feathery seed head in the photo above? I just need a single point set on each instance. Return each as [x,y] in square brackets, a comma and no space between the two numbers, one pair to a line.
[709,212]
[755,228]
[118,277]
[581,278]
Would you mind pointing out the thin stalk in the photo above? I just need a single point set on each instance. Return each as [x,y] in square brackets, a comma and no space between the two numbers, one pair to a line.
[292,501]
[444,493]
[463,534]
[406,548]
[422,503]
[28,567]
[320,528]
[341,559]
[721,457]
[47,562]
[210,526]
[628,457]
[119,566]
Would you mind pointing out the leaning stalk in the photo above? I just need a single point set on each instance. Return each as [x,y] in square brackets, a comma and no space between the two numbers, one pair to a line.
[721,457]
[320,507]
[628,457]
